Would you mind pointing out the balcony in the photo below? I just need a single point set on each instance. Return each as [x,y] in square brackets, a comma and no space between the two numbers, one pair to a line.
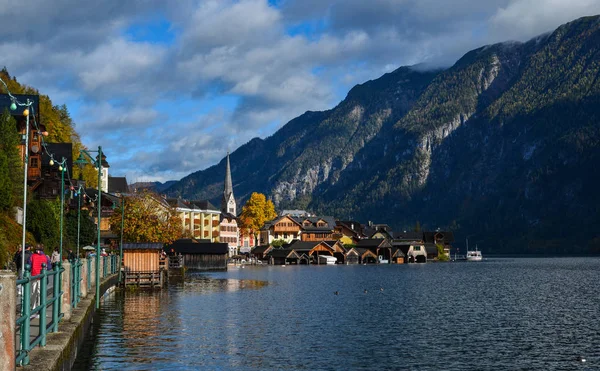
[283,229]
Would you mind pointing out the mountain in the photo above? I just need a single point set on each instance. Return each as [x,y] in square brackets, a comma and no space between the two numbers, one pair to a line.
[153,186]
[503,147]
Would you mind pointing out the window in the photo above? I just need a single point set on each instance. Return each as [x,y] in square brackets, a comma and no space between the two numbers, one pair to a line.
[33,162]
[417,248]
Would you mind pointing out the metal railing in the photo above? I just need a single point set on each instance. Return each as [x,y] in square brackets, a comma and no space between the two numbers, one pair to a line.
[39,301]
[36,288]
[76,267]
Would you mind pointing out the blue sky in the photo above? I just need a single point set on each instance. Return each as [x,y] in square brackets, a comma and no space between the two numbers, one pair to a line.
[167,88]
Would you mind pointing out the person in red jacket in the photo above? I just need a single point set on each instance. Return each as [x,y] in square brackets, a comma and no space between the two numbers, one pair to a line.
[36,260]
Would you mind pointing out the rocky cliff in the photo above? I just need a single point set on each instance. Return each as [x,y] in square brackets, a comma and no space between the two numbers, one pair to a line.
[502,145]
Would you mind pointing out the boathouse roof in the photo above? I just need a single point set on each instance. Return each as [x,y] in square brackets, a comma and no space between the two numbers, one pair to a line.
[142,246]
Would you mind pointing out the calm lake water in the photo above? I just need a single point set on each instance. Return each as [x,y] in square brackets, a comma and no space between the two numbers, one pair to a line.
[499,314]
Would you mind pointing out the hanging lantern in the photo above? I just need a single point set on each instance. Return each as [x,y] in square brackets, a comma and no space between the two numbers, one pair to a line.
[25,112]
[13,106]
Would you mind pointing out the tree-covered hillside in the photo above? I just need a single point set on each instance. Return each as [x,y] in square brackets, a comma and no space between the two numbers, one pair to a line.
[503,146]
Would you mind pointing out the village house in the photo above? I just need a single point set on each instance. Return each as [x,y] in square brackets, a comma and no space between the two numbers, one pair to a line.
[284,228]
[199,219]
[380,247]
[350,232]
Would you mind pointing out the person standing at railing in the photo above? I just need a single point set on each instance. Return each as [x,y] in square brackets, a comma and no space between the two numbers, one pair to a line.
[17,258]
[55,257]
[71,255]
[36,260]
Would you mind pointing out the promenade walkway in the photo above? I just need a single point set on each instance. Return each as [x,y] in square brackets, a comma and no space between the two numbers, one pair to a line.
[45,335]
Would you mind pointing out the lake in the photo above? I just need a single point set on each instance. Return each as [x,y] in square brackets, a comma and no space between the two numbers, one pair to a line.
[499,314]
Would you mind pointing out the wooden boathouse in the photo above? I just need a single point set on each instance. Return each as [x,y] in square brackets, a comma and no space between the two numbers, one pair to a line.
[201,255]
[141,264]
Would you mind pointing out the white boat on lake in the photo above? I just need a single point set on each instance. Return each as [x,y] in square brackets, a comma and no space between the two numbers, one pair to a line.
[474,256]
[326,259]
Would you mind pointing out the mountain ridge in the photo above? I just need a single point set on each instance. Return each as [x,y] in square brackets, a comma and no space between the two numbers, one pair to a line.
[394,149]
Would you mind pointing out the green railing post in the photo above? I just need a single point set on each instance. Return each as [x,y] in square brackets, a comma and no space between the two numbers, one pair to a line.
[56,298]
[43,303]
[104,267]
[89,274]
[26,311]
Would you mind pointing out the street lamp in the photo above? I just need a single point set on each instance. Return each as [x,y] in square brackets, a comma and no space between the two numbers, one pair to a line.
[98,164]
[13,106]
[62,169]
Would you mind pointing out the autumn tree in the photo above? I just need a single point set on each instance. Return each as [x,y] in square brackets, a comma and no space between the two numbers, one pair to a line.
[147,218]
[12,178]
[255,213]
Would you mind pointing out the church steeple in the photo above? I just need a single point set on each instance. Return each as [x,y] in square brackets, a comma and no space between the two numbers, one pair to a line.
[228,200]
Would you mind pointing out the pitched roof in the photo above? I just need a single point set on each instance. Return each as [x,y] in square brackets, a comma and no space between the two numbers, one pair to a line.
[431,248]
[373,243]
[283,253]
[447,237]
[117,184]
[354,226]
[303,245]
[313,227]
[142,246]
[408,236]
[199,247]
[202,205]
[260,249]
[177,203]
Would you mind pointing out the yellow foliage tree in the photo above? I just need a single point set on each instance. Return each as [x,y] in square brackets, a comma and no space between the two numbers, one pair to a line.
[147,219]
[255,213]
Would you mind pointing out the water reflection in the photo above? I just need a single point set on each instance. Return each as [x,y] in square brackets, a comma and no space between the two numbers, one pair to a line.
[504,314]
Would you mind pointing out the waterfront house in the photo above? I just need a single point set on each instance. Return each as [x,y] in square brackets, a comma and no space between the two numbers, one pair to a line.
[352,256]
[398,256]
[440,238]
[284,228]
[339,251]
[312,249]
[350,232]
[381,247]
[317,228]
[260,252]
[228,232]
[201,255]
[283,256]
[365,255]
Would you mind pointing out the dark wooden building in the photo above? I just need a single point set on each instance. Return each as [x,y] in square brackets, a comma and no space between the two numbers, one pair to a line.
[201,255]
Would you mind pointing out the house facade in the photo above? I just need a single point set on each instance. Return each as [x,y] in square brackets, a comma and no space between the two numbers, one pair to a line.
[199,219]
[284,228]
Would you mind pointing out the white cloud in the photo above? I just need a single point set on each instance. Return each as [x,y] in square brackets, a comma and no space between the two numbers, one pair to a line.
[163,110]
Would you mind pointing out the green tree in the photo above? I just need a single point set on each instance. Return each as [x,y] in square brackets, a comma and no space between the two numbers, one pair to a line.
[9,146]
[278,243]
[6,192]
[87,232]
[441,254]
[255,213]
[42,222]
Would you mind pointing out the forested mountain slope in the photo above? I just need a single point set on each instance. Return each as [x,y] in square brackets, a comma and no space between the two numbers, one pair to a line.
[504,145]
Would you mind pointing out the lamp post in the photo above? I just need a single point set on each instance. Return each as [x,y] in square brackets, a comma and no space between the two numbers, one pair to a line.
[61,168]
[98,164]
[78,194]
[122,225]
[13,107]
